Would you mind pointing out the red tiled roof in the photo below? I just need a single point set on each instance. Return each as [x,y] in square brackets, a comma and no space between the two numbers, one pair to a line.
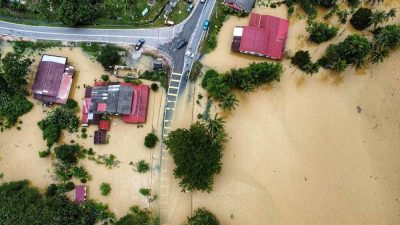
[139,104]
[266,35]
[104,125]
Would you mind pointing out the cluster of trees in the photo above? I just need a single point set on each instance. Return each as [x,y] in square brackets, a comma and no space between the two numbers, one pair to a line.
[22,203]
[197,153]
[66,167]
[302,59]
[321,32]
[365,17]
[109,56]
[14,69]
[354,50]
[386,39]
[202,217]
[61,118]
[220,86]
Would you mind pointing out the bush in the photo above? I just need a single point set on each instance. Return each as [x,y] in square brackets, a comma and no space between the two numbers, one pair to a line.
[144,191]
[142,166]
[84,135]
[150,140]
[154,87]
[160,76]
[302,59]
[354,3]
[105,189]
[203,217]
[361,19]
[44,154]
[105,77]
[321,32]
[68,154]
[69,186]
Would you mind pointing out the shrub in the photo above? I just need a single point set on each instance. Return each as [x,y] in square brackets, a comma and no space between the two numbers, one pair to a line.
[108,57]
[321,32]
[302,59]
[44,154]
[142,166]
[361,19]
[84,130]
[150,140]
[105,189]
[144,191]
[71,105]
[154,87]
[354,3]
[68,154]
[105,77]
[84,135]
[69,186]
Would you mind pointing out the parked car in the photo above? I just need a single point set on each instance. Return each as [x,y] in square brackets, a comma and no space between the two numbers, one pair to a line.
[181,44]
[169,22]
[206,25]
[139,44]
[189,54]
[190,7]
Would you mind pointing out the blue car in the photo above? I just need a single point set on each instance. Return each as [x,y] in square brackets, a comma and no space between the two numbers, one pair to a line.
[206,25]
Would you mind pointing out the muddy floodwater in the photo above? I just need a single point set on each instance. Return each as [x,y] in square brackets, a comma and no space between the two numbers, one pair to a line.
[321,149]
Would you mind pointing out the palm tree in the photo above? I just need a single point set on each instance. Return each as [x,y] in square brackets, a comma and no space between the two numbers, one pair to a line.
[215,128]
[229,102]
[372,2]
[378,54]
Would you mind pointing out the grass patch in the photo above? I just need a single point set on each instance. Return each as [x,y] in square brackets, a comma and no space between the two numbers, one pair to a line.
[28,47]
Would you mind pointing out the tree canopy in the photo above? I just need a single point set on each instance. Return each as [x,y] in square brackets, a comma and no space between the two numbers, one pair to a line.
[197,153]
[68,154]
[362,18]
[57,120]
[321,32]
[108,57]
[203,217]
[302,59]
[77,12]
[14,69]
[24,205]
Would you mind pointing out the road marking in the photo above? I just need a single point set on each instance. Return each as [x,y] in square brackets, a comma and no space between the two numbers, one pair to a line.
[174,87]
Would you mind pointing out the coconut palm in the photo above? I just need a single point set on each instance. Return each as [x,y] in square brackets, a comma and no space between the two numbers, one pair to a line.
[379,53]
[229,102]
[215,127]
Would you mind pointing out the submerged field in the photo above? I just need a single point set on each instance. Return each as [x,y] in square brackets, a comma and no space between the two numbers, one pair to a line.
[319,149]
[19,157]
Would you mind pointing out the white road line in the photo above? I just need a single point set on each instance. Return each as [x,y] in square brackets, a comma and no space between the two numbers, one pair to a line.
[173,87]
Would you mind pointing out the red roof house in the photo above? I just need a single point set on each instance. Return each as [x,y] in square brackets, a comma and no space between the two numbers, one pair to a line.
[53,80]
[265,36]
[104,125]
[139,105]
[80,193]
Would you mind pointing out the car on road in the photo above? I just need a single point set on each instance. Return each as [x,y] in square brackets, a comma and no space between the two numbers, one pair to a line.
[190,7]
[203,1]
[189,54]
[139,44]
[206,25]
[181,44]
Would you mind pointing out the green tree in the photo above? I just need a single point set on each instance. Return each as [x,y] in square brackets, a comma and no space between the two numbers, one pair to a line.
[14,71]
[386,38]
[302,59]
[154,87]
[321,32]
[380,16]
[202,217]
[105,77]
[68,154]
[142,166]
[229,102]
[108,57]
[105,189]
[197,154]
[150,140]
[144,191]
[77,12]
[354,3]
[361,19]
[138,217]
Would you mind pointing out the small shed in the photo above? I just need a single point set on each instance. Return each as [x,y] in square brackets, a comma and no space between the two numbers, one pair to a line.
[104,125]
[100,137]
[157,66]
[80,193]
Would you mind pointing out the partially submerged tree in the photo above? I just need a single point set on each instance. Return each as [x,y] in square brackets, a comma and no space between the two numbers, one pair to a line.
[151,139]
[362,18]
[109,57]
[386,39]
[381,16]
[105,188]
[197,154]
[203,217]
[302,59]
[321,32]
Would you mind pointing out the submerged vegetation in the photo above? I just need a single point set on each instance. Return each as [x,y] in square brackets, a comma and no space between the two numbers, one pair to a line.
[202,217]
